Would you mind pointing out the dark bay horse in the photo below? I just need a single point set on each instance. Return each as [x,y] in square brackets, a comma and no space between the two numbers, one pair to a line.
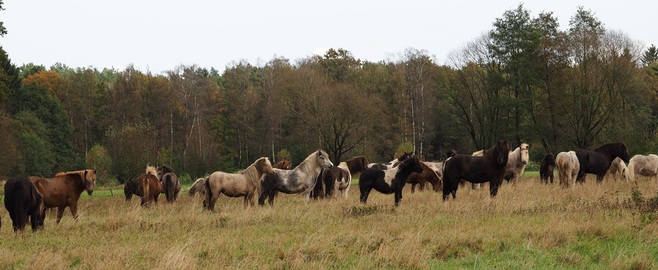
[388,181]
[546,168]
[130,189]
[64,190]
[598,161]
[339,178]
[23,200]
[490,168]
[170,183]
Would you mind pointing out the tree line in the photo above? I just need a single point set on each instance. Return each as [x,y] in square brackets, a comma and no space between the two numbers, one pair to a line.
[526,80]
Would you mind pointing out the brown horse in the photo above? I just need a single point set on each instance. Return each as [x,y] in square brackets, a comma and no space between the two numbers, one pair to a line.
[339,178]
[149,187]
[170,183]
[284,164]
[598,161]
[64,190]
[427,176]
[488,168]
[546,168]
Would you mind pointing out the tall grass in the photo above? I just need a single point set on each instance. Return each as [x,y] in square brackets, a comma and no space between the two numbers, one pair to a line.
[599,226]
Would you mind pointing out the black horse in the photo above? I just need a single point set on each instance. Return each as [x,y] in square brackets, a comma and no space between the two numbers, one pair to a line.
[476,169]
[598,161]
[388,181]
[23,200]
[130,189]
[546,168]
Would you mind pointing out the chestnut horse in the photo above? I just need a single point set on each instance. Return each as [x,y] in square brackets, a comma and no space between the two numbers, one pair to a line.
[170,183]
[598,161]
[490,167]
[64,190]
[243,184]
[427,176]
[149,187]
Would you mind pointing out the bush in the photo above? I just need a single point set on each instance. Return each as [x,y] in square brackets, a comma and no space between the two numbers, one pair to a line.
[98,159]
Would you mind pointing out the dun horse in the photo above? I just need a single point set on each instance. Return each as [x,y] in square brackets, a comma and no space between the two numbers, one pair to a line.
[488,168]
[199,187]
[567,168]
[23,200]
[243,184]
[388,181]
[170,183]
[641,165]
[618,170]
[598,161]
[301,179]
[149,186]
[64,190]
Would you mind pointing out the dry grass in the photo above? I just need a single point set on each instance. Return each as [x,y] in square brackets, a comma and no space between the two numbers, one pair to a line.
[526,226]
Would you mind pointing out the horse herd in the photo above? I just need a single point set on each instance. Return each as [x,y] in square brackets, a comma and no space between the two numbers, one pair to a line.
[317,177]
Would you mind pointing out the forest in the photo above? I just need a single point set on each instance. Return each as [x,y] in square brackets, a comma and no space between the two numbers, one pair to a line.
[526,80]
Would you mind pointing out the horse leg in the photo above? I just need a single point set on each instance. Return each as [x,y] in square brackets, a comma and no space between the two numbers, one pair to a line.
[413,188]
[60,213]
[74,210]
[493,188]
[346,191]
[398,195]
[271,197]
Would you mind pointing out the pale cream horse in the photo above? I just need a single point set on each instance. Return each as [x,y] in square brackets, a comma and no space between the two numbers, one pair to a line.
[567,166]
[617,170]
[241,184]
[640,165]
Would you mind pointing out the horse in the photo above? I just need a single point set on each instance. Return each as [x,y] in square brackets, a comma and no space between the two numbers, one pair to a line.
[284,164]
[339,178]
[427,176]
[199,187]
[243,184]
[488,168]
[567,168]
[170,183]
[301,179]
[641,165]
[516,163]
[149,187]
[64,190]
[546,168]
[388,181]
[131,188]
[22,200]
[598,161]
[617,168]
[392,163]
[438,166]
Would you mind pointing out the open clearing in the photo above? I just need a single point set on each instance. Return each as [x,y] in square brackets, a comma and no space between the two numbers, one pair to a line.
[595,226]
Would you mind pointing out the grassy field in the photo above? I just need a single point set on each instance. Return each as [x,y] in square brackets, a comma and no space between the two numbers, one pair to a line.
[595,226]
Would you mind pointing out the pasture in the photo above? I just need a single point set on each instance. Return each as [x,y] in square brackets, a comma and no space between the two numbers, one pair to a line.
[595,226]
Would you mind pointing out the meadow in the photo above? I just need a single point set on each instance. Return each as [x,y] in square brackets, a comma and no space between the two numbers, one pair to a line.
[529,225]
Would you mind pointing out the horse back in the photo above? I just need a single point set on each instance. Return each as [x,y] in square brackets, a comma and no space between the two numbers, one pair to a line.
[474,169]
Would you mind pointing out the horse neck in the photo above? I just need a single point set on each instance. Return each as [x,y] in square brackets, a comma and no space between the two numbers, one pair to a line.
[404,172]
[251,173]
[307,166]
[78,183]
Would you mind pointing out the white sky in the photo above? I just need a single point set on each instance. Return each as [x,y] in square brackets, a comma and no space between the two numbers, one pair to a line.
[157,36]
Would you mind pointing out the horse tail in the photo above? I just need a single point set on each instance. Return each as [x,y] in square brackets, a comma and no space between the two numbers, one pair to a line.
[20,208]
[146,188]
[170,190]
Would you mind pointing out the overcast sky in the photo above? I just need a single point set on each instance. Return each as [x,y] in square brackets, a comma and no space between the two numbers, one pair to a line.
[159,35]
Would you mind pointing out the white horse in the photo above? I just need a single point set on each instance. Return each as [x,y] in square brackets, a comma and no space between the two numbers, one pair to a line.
[567,168]
[617,170]
[301,179]
[240,184]
[640,165]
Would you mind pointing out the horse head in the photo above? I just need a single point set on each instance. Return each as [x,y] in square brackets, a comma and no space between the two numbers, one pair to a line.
[264,165]
[525,156]
[502,149]
[90,180]
[624,153]
[451,153]
[323,160]
[164,169]
[412,164]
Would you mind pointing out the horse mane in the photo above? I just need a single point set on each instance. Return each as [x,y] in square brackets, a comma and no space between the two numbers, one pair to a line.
[151,170]
[306,165]
[166,169]
[251,172]
[611,146]
[491,154]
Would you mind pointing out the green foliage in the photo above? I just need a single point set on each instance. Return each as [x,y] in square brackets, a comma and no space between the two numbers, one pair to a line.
[131,149]
[650,56]
[99,159]
[405,147]
[37,158]
[283,154]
